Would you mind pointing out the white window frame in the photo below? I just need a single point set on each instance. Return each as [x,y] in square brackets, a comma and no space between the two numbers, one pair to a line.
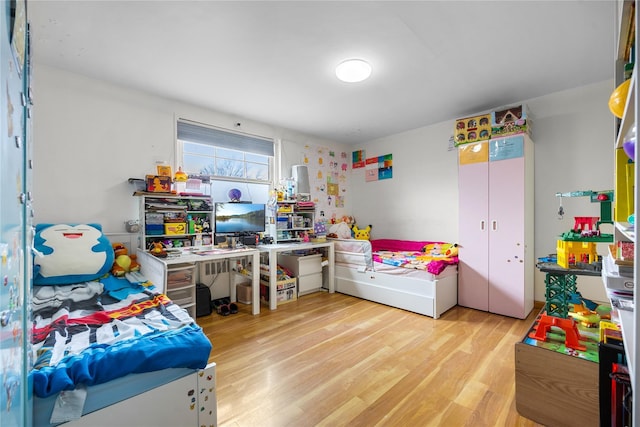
[242,138]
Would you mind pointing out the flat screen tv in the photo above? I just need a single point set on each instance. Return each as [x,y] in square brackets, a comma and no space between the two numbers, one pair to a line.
[239,218]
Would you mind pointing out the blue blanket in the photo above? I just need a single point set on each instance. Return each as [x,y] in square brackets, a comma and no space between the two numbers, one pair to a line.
[93,332]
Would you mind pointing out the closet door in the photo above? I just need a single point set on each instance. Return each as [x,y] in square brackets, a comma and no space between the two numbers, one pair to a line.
[473,189]
[506,237]
[15,397]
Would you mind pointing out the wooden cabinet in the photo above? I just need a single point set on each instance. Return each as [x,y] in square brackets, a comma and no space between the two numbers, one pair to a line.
[177,221]
[495,180]
[289,221]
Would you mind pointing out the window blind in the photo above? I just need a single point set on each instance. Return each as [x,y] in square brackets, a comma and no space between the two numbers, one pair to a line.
[193,132]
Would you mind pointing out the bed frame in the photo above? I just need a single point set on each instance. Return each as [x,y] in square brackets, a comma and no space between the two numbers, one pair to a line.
[189,400]
[431,298]
[356,274]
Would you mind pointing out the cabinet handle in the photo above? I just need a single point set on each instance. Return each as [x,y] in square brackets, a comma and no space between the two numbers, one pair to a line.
[494,225]
[482,225]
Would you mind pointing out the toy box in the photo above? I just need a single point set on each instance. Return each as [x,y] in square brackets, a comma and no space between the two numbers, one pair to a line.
[175,228]
[158,184]
[510,121]
[472,129]
[285,290]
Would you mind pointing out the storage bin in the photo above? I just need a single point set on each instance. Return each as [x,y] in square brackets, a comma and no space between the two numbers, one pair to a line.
[301,265]
[175,228]
[154,229]
[154,218]
[243,293]
[180,276]
[182,296]
[309,283]
[282,223]
[285,290]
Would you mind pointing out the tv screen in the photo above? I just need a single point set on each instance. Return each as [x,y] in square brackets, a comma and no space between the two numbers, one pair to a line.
[237,218]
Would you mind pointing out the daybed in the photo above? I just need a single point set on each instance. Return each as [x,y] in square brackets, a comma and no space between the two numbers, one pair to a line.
[107,348]
[411,275]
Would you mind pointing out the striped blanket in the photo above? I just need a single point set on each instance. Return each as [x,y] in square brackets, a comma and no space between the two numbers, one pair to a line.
[90,333]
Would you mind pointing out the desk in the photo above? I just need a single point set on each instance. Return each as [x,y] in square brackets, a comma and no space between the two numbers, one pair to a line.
[274,250]
[155,269]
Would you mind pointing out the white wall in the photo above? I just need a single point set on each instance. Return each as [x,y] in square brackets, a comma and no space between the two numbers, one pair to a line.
[90,137]
[573,138]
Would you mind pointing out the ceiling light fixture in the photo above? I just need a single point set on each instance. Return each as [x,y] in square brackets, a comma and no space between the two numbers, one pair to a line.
[353,70]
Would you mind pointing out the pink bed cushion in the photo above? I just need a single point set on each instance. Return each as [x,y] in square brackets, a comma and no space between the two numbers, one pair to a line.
[398,245]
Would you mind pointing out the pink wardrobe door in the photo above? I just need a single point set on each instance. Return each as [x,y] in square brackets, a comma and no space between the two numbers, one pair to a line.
[506,237]
[473,285]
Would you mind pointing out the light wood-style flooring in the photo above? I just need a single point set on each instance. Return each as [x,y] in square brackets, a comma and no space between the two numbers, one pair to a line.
[335,360]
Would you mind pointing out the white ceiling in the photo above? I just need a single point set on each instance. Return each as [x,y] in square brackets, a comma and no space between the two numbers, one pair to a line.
[273,61]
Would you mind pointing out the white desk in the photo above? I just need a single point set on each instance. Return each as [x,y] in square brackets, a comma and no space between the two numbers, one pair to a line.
[274,250]
[206,254]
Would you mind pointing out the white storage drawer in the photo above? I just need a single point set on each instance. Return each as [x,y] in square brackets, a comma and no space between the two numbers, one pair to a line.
[309,283]
[182,297]
[180,275]
[301,265]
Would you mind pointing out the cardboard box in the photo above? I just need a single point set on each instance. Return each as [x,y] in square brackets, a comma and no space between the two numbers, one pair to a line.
[510,121]
[175,228]
[472,129]
[286,290]
[158,184]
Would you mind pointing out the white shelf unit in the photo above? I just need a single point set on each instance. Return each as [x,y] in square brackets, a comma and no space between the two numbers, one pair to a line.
[157,209]
[290,222]
[623,231]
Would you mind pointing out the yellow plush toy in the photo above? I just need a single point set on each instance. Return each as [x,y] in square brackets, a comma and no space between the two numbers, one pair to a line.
[361,234]
[124,263]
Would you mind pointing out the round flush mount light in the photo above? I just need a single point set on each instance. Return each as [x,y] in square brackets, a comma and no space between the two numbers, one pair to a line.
[353,70]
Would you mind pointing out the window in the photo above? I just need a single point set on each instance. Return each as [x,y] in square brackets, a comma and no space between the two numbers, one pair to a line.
[232,160]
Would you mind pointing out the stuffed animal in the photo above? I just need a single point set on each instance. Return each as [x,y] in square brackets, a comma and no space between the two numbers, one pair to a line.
[452,250]
[340,231]
[158,249]
[361,234]
[123,263]
[70,253]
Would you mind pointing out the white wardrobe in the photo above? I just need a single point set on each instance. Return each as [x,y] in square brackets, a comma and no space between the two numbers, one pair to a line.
[496,269]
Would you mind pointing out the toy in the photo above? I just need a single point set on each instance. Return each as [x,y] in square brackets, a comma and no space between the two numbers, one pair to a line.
[618,99]
[70,253]
[180,175]
[361,233]
[472,129]
[157,249]
[123,263]
[452,250]
[340,230]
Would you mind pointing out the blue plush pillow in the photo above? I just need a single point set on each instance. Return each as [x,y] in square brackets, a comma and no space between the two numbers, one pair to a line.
[70,253]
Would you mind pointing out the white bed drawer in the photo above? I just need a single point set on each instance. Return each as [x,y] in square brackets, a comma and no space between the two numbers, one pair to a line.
[309,283]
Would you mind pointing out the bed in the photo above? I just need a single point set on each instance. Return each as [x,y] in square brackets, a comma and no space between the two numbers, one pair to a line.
[108,349]
[417,276]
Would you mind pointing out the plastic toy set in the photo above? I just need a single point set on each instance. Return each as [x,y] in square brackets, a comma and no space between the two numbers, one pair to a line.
[497,124]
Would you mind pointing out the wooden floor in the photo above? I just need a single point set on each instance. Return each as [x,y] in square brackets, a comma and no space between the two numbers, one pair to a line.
[334,360]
